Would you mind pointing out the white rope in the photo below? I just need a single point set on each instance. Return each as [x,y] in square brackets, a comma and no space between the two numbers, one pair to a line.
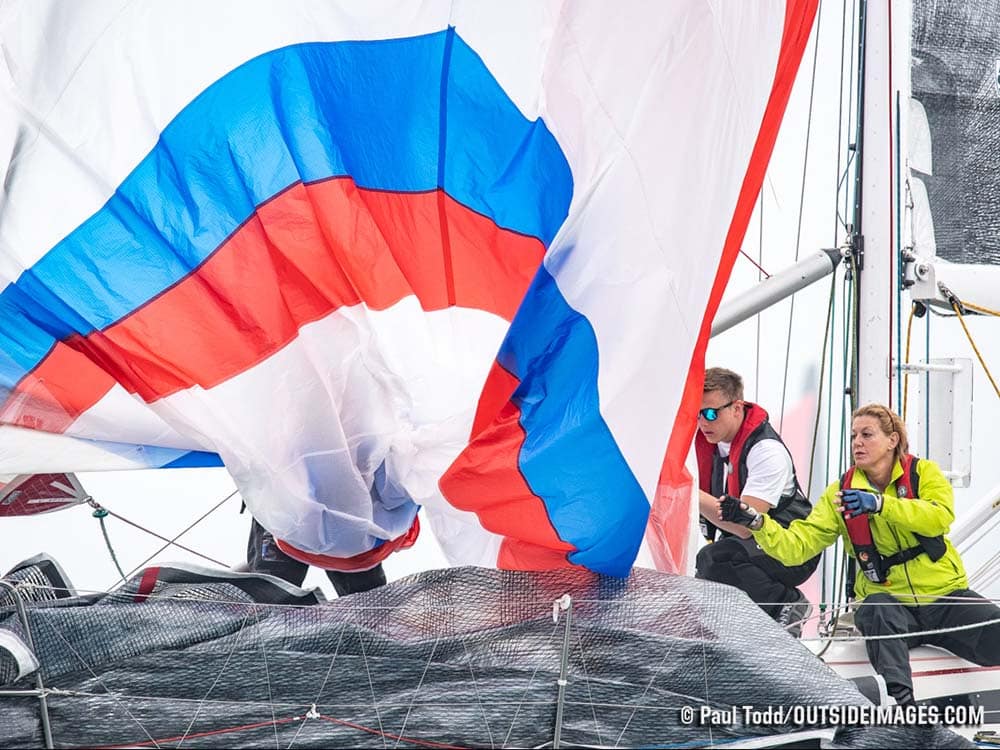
[704,670]
[371,684]
[236,639]
[416,691]
[531,679]
[326,677]
[300,707]
[590,692]
[910,634]
[920,599]
[475,686]
[646,690]
[101,683]
[267,680]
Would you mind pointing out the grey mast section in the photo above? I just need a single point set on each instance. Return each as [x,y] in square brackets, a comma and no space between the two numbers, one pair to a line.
[775,289]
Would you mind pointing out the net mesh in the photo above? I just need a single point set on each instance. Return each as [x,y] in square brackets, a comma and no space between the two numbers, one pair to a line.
[955,71]
[466,657]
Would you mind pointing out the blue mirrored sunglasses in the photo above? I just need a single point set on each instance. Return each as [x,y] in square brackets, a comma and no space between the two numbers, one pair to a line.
[711,413]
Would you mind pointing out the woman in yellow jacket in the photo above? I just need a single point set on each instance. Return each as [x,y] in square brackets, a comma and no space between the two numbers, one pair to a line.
[910,593]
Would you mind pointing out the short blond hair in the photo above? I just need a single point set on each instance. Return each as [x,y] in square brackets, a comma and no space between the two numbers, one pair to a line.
[727,381]
[889,422]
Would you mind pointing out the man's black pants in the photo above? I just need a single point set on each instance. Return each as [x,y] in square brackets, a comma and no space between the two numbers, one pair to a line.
[882,614]
[741,563]
[264,556]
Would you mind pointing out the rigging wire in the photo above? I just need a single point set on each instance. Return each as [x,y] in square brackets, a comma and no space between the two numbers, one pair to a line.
[927,390]
[819,396]
[99,681]
[276,722]
[152,596]
[475,687]
[267,681]
[906,376]
[819,411]
[838,225]
[371,685]
[830,571]
[194,523]
[100,509]
[590,692]
[802,198]
[760,257]
[988,572]
[899,254]
[852,152]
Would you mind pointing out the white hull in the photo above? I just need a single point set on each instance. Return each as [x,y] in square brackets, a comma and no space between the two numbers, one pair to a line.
[938,676]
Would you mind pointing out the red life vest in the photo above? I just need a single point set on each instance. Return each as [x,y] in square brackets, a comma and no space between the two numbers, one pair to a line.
[873,564]
[753,417]
[755,428]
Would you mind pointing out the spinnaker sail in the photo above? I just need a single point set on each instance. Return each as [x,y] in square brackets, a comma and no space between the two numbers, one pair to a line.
[383,256]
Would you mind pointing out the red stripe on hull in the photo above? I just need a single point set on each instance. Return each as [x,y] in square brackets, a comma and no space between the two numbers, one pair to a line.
[309,251]
[956,670]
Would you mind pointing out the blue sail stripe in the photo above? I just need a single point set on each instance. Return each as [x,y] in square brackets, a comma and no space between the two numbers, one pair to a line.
[570,458]
[302,113]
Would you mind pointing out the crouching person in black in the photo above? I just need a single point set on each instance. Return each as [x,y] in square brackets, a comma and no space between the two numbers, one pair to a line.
[741,455]
[264,556]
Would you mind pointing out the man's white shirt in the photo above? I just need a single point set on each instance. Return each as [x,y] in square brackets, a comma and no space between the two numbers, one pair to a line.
[769,471]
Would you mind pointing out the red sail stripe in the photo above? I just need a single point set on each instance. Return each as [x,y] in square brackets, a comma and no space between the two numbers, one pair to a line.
[304,254]
[506,498]
[669,515]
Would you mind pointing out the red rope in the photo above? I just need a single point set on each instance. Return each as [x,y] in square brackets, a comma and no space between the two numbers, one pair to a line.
[179,737]
[260,724]
[766,274]
[412,741]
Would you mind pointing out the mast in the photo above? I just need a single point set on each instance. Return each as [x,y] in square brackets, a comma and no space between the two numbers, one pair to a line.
[874,235]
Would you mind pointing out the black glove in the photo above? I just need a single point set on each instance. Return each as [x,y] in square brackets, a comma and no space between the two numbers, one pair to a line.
[736,512]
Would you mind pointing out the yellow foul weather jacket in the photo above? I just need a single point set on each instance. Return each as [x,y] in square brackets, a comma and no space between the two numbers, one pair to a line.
[931,514]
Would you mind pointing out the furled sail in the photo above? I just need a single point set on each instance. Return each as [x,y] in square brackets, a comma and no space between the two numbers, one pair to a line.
[385,255]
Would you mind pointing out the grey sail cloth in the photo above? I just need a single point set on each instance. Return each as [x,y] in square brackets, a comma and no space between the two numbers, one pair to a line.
[954,71]
[466,657]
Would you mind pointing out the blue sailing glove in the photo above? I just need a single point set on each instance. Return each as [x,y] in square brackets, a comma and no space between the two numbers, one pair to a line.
[736,512]
[856,502]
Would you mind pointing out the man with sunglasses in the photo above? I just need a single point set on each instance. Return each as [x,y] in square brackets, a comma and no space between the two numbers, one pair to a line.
[741,455]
